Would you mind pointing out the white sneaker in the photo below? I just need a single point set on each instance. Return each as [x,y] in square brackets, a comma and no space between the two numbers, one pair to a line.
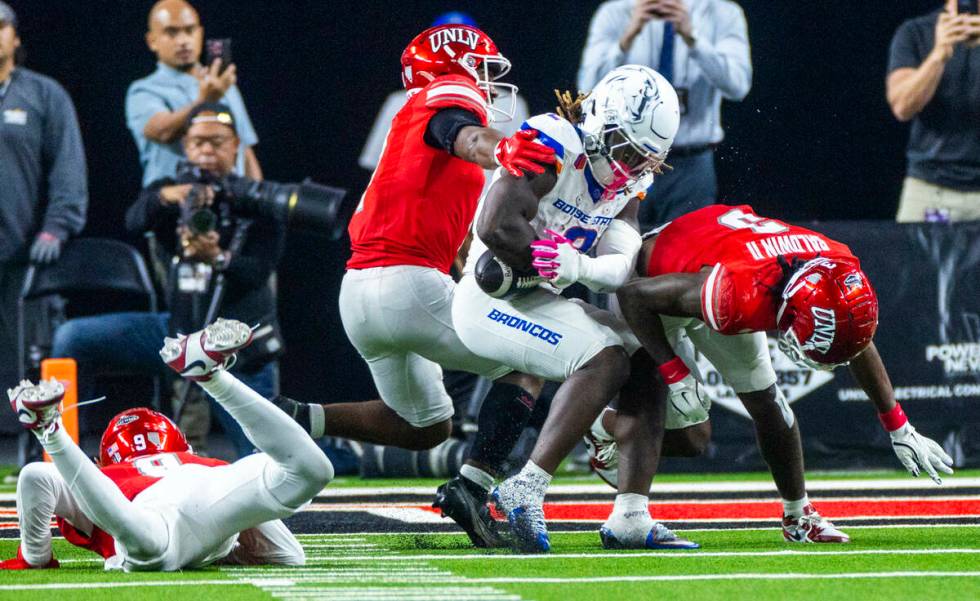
[36,405]
[197,356]
[637,530]
[603,452]
[812,528]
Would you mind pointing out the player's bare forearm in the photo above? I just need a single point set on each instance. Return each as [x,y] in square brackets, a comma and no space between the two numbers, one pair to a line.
[166,127]
[869,371]
[910,90]
[477,144]
[504,224]
[253,169]
[644,300]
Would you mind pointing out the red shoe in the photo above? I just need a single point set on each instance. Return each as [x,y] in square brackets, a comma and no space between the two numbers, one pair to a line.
[811,528]
[198,355]
[19,563]
[36,405]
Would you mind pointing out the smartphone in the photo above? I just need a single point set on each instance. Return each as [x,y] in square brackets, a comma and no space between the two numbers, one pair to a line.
[218,49]
[967,7]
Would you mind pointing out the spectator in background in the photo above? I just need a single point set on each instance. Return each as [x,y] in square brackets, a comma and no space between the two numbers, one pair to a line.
[157,106]
[702,48]
[43,187]
[371,153]
[934,82]
[243,251]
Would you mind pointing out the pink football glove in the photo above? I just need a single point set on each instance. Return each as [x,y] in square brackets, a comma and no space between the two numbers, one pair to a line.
[556,259]
[521,151]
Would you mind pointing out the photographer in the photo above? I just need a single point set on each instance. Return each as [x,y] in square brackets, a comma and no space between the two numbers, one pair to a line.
[212,254]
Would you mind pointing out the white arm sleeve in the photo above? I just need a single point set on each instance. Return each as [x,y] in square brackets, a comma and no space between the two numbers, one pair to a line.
[615,258]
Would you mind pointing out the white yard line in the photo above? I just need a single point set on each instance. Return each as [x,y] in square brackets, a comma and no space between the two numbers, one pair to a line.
[743,576]
[273,582]
[118,584]
[665,554]
[687,487]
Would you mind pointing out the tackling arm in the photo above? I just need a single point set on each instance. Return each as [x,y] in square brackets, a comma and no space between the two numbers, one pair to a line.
[504,224]
[644,300]
[915,451]
[461,133]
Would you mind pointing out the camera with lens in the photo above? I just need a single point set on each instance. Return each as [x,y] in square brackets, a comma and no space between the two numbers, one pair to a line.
[307,205]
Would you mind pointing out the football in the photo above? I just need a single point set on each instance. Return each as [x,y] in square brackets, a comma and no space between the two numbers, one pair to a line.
[500,280]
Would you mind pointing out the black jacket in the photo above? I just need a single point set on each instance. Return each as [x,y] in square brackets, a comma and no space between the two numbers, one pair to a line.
[248,296]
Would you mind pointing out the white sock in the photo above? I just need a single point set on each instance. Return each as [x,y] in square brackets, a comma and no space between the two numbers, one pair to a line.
[630,520]
[535,478]
[794,509]
[476,476]
[318,420]
[628,505]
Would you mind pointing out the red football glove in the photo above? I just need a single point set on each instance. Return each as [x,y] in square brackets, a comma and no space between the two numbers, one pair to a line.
[19,563]
[522,151]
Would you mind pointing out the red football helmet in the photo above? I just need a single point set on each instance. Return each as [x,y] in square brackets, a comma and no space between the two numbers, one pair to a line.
[137,432]
[828,315]
[460,50]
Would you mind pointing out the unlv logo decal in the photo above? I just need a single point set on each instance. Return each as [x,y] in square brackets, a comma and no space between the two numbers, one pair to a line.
[824,329]
[441,38]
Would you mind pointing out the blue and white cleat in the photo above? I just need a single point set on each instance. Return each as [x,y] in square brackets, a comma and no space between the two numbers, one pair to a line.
[528,530]
[657,536]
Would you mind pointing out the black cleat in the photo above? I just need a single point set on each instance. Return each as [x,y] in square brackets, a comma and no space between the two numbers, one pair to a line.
[466,505]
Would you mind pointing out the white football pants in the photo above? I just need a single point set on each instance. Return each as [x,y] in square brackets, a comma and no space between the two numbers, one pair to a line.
[400,320]
[194,514]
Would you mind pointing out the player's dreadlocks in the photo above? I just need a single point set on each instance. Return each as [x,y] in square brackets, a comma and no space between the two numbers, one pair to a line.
[571,110]
[568,108]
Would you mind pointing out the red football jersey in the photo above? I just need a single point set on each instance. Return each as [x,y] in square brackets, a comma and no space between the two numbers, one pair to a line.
[421,200]
[742,249]
[132,477]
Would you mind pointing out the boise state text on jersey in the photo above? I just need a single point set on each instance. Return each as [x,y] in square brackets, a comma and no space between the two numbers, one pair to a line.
[574,206]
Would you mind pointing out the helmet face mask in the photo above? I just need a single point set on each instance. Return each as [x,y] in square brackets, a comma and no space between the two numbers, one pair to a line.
[630,119]
[486,69]
[461,50]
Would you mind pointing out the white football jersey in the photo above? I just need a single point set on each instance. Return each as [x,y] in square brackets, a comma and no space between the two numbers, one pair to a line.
[574,207]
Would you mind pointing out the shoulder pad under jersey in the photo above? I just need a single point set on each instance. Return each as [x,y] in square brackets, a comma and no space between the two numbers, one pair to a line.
[455,91]
[556,133]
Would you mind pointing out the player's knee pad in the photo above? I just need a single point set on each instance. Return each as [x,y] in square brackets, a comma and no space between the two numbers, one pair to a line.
[36,474]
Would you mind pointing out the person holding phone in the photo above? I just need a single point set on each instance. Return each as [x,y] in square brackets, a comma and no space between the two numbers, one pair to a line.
[934,83]
[157,106]
[702,48]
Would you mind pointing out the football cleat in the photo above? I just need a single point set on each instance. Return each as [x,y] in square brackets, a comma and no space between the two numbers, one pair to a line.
[529,532]
[467,506]
[197,356]
[811,528]
[19,563]
[656,536]
[36,405]
[603,454]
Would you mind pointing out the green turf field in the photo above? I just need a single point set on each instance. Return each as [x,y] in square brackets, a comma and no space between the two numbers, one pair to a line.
[880,563]
[888,563]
